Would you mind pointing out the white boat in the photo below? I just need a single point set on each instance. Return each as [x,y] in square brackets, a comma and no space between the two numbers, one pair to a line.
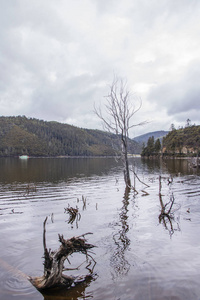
[23,156]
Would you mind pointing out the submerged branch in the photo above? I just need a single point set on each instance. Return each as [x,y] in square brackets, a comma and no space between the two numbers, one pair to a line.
[135,174]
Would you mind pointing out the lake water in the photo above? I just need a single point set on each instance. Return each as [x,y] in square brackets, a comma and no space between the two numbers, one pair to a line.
[140,253]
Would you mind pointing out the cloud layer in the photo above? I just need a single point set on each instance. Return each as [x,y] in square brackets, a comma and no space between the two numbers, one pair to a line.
[58,57]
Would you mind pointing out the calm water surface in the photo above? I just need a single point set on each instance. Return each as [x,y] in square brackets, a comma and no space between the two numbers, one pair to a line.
[140,254]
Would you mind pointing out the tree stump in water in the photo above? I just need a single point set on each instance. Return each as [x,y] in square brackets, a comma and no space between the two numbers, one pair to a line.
[53,276]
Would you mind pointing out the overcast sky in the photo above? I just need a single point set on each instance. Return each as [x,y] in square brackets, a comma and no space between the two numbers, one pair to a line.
[58,58]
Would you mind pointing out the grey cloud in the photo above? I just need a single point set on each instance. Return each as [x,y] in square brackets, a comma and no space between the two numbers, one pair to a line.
[57,57]
[180,96]
[72,99]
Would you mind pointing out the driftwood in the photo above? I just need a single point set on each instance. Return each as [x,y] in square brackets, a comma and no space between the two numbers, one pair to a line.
[73,215]
[53,276]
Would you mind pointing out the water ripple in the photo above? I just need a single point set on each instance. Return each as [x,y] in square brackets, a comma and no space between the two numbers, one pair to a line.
[137,257]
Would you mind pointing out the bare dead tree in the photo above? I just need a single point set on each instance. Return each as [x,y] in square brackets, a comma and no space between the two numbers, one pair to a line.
[119,112]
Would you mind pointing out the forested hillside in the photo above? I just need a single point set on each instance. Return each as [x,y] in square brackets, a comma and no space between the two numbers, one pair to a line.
[33,137]
[185,141]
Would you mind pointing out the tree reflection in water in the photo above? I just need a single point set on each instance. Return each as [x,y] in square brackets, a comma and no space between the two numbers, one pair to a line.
[166,216]
[119,262]
[75,293]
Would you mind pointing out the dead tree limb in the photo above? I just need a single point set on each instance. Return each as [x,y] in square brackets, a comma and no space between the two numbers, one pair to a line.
[139,179]
[53,276]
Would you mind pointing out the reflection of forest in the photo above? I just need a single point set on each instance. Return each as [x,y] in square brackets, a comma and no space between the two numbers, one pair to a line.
[151,165]
[62,169]
[172,166]
[176,166]
[119,262]
[53,169]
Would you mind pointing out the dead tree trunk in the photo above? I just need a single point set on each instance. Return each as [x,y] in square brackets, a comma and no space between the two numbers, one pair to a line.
[53,276]
[127,178]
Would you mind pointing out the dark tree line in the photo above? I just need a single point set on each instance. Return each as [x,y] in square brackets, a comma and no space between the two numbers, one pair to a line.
[153,148]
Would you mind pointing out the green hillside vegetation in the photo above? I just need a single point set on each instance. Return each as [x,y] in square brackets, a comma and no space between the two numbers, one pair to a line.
[182,142]
[33,137]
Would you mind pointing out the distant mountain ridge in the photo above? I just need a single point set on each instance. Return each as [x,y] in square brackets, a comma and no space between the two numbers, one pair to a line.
[156,134]
[29,136]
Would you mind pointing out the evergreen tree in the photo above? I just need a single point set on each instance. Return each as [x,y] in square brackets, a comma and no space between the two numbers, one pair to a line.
[157,146]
